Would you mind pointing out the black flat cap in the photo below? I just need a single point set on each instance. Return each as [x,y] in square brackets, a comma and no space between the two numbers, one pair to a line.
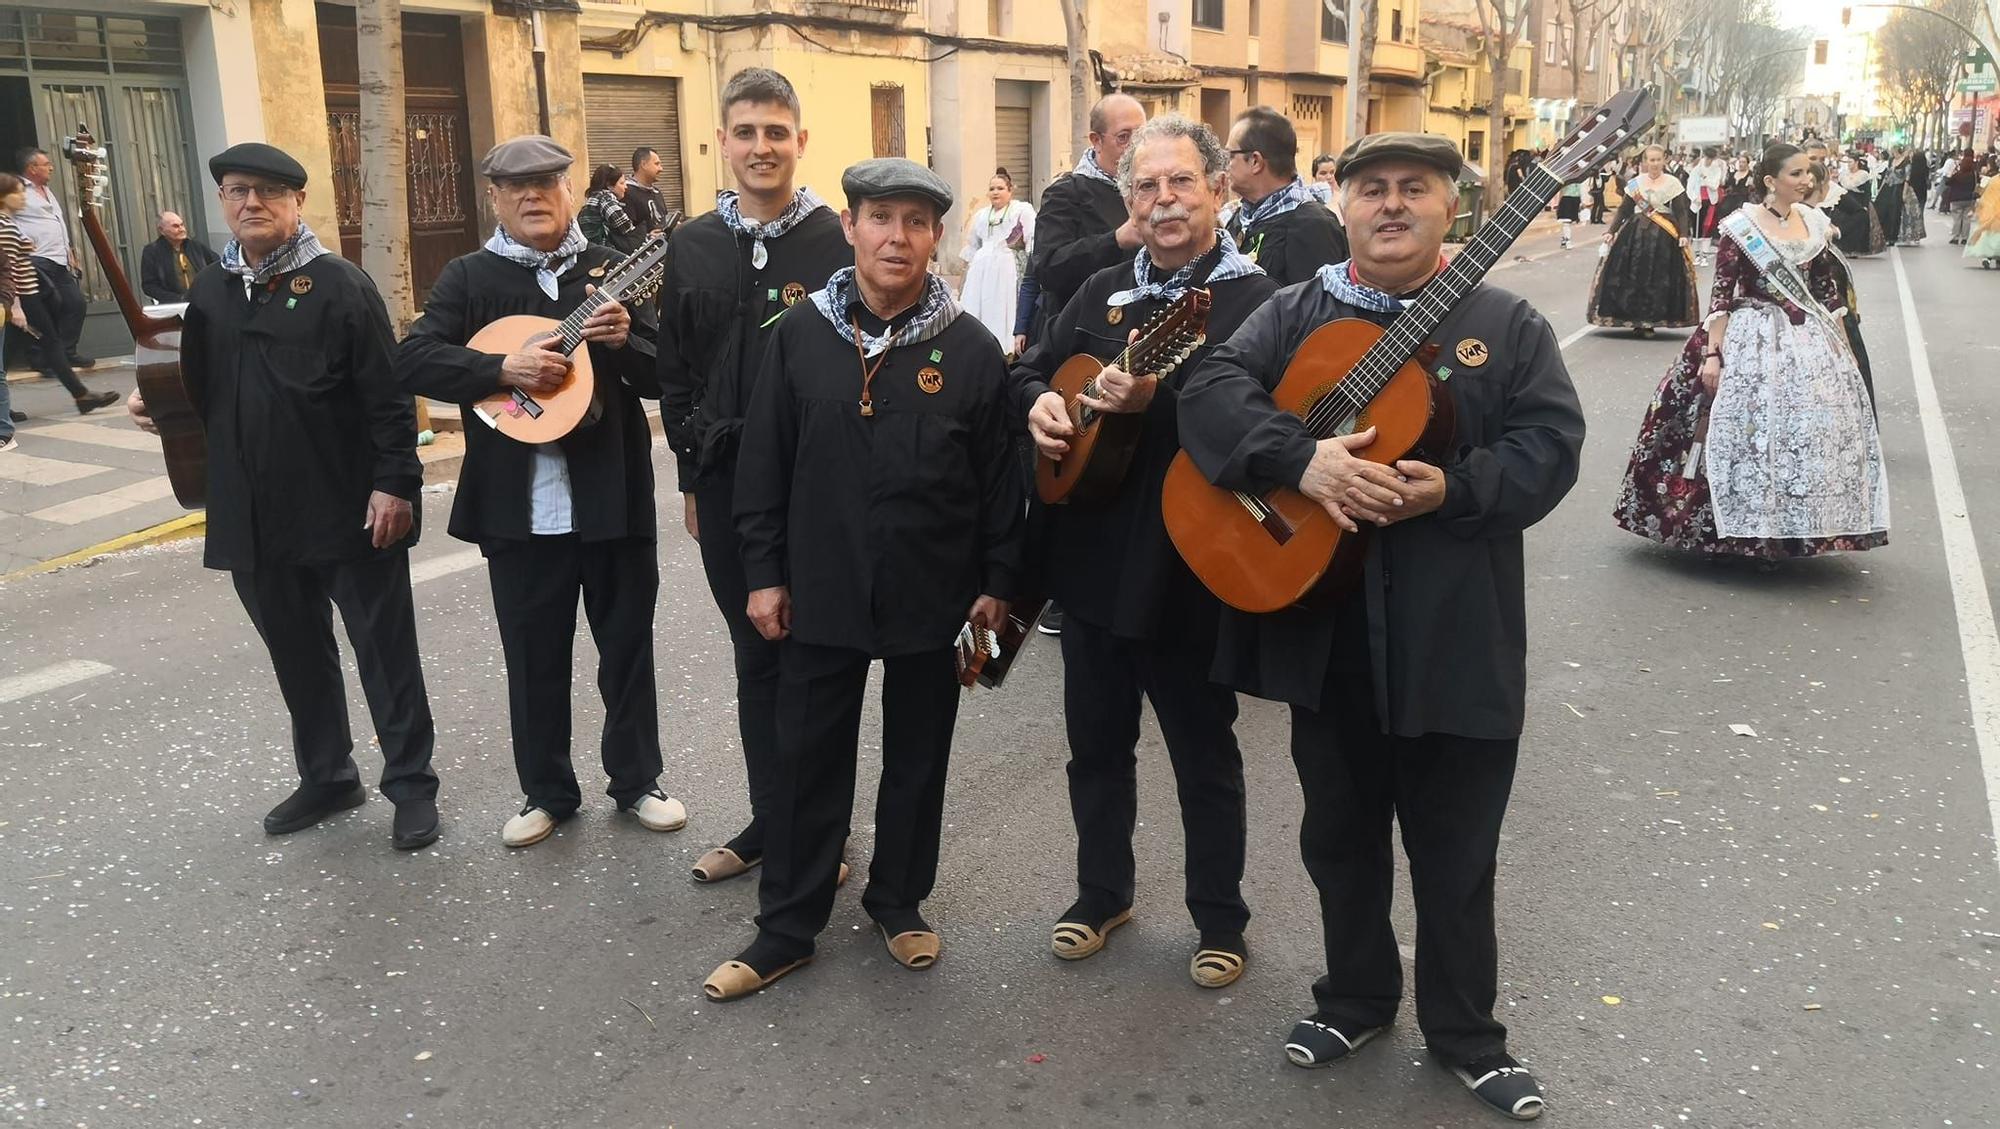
[531,155]
[254,158]
[1423,148]
[895,176]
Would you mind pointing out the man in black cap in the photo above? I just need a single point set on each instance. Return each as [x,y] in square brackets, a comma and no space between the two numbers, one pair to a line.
[286,351]
[554,519]
[1279,224]
[880,509]
[1138,624]
[1407,698]
[766,246]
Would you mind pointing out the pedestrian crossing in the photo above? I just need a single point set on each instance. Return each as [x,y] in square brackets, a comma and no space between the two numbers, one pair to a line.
[41,470]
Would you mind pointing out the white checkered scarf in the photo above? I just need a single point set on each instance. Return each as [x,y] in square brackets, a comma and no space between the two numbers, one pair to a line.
[937,310]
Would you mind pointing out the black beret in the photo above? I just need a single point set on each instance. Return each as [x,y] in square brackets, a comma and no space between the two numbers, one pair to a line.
[895,176]
[532,155]
[254,158]
[1424,148]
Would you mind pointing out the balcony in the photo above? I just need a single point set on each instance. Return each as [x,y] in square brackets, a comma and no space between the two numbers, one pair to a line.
[887,13]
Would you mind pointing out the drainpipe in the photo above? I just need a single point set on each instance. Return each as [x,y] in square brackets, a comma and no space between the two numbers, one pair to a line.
[539,49]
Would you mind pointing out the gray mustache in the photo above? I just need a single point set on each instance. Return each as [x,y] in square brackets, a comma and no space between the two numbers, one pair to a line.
[1168,212]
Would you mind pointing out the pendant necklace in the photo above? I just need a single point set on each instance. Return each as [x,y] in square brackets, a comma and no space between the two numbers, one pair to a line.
[867,370]
[758,255]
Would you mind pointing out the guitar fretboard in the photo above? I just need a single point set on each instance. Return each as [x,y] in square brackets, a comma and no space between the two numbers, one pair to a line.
[1407,333]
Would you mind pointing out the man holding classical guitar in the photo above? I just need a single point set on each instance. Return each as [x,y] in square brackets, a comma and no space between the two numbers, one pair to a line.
[1407,691]
[286,350]
[554,519]
[1138,624]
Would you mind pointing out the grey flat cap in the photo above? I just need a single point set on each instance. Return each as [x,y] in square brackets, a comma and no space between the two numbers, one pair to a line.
[1424,148]
[254,158]
[895,176]
[532,155]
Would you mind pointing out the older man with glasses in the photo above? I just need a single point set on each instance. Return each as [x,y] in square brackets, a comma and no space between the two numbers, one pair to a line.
[560,519]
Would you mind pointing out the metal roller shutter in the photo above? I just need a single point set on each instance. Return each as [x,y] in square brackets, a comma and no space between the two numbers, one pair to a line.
[620,114]
[1013,150]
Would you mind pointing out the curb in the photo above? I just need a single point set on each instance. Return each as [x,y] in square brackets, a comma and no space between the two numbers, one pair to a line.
[180,528]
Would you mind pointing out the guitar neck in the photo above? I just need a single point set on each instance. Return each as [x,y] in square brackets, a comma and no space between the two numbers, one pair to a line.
[1409,331]
[137,322]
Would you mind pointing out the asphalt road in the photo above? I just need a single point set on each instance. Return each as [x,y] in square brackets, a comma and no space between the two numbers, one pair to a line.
[1697,928]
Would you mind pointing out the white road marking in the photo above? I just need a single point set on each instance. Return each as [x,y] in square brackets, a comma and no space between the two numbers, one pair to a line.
[125,437]
[49,678]
[76,511]
[1977,638]
[1565,343]
[17,467]
[435,567]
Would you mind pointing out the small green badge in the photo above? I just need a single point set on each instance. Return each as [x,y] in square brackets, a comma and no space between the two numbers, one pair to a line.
[291,303]
[1444,372]
[773,295]
[937,355]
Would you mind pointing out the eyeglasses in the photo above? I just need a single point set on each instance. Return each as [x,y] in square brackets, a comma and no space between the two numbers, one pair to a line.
[1239,152]
[237,193]
[1183,184]
[519,186]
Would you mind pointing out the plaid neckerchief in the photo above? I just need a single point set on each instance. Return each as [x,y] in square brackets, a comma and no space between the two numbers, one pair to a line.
[1339,281]
[546,264]
[935,311]
[1088,168]
[730,205]
[1230,264]
[1274,205]
[302,248]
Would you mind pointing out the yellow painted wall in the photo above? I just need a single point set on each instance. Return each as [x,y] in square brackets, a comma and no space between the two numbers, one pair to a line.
[669,52]
[286,33]
[834,91]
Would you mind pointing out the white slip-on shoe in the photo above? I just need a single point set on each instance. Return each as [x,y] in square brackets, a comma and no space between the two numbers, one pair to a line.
[528,828]
[657,811]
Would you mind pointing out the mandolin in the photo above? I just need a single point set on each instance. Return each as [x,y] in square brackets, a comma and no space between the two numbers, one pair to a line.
[1261,552]
[156,341]
[544,417]
[984,657]
[1101,448]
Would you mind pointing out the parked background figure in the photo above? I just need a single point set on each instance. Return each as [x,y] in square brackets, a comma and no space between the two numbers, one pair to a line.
[168,264]
[603,217]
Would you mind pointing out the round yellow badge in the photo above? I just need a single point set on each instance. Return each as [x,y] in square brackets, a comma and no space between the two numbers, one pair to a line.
[301,284]
[930,380]
[1472,352]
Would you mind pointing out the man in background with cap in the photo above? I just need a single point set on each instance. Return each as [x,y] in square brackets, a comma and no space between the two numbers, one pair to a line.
[879,505]
[730,274]
[286,349]
[1280,224]
[554,519]
[1407,698]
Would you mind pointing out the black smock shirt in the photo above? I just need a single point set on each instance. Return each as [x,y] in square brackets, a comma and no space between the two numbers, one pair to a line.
[1076,236]
[717,310]
[1445,592]
[1111,563]
[887,527]
[610,461]
[1291,247]
[297,387]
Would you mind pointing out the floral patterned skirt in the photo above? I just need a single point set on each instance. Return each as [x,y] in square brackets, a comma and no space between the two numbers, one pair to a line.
[1797,440]
[1645,279]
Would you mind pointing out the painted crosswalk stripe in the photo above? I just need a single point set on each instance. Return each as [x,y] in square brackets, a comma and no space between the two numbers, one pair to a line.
[49,678]
[1573,338]
[435,567]
[76,511]
[36,471]
[1977,638]
[125,437]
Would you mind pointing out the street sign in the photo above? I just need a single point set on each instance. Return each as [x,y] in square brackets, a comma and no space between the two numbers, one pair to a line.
[1703,131]
[1976,84]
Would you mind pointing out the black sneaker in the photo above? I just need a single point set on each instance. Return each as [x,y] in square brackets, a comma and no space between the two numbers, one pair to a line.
[312,803]
[1504,1084]
[1314,1042]
[1051,621]
[91,401]
[416,824]
[17,417]
[79,362]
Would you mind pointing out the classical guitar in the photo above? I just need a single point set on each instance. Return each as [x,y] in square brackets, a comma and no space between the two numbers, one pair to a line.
[544,417]
[156,341]
[985,657]
[1263,552]
[1101,449]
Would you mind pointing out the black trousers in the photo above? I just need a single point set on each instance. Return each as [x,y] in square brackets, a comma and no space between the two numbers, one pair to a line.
[820,691]
[292,609]
[39,311]
[756,657]
[535,586]
[1104,678]
[1448,794]
[66,304]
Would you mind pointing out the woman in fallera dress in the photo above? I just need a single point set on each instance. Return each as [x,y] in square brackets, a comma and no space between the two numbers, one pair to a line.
[1760,441]
[1645,278]
[997,239]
